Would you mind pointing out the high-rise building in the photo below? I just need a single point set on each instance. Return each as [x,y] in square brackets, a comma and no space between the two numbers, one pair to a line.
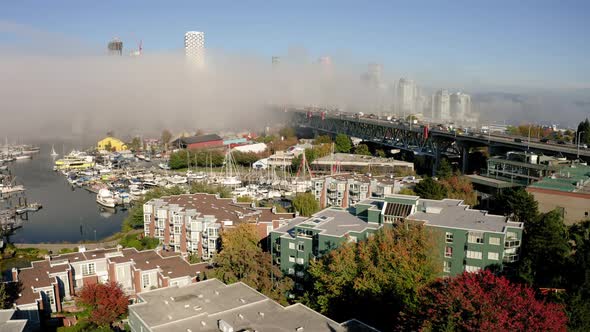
[115,47]
[460,105]
[276,60]
[194,47]
[406,96]
[441,105]
[373,74]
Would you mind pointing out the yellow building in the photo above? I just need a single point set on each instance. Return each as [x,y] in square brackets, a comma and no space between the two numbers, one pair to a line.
[111,144]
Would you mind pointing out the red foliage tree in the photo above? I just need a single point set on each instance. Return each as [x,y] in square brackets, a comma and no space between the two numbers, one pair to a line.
[485,302]
[107,302]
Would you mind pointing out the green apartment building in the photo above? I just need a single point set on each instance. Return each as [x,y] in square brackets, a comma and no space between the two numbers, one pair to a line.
[467,239]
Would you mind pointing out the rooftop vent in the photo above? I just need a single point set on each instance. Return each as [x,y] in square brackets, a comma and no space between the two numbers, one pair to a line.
[187,306]
[197,308]
[36,279]
[171,298]
[300,328]
[165,302]
[241,316]
[242,300]
[203,323]
[261,313]
[169,317]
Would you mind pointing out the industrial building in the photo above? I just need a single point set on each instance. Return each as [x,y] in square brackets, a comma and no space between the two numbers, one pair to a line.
[567,190]
[111,144]
[198,142]
[466,239]
[213,306]
[346,162]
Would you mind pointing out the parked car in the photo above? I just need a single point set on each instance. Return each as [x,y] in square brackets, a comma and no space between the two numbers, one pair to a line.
[544,140]
[561,142]
[518,140]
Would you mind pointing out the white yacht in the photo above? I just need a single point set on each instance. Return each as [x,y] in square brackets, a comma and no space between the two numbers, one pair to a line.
[177,179]
[105,198]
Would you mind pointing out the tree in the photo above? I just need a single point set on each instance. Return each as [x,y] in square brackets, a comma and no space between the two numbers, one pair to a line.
[430,189]
[5,302]
[342,143]
[545,251]
[107,302]
[305,204]
[322,139]
[381,153]
[135,144]
[519,203]
[407,191]
[381,276]
[362,149]
[484,302]
[584,127]
[460,187]
[287,132]
[445,170]
[241,259]
[166,137]
[578,277]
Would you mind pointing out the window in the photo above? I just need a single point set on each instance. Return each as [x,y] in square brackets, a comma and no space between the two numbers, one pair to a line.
[447,266]
[292,259]
[494,256]
[291,245]
[449,237]
[50,297]
[147,218]
[291,271]
[145,279]
[474,254]
[300,261]
[475,237]
[147,208]
[448,252]
[177,219]
[88,269]
[300,246]
[470,268]
[494,240]
[177,229]
[511,235]
[162,214]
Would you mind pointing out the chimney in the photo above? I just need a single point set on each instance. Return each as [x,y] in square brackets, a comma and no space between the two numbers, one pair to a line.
[119,247]
[81,248]
[14,274]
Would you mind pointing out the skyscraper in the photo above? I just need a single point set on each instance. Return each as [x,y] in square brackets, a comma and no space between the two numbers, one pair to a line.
[460,105]
[406,96]
[373,75]
[441,105]
[194,47]
[276,60]
[115,47]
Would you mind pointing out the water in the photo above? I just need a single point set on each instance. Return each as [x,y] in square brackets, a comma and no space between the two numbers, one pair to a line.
[68,214]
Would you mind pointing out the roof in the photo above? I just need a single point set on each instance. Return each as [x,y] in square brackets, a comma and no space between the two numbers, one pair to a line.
[331,221]
[488,181]
[199,139]
[221,208]
[7,324]
[351,159]
[201,306]
[453,213]
[574,178]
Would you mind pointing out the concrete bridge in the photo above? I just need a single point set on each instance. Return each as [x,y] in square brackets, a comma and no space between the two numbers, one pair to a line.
[420,140]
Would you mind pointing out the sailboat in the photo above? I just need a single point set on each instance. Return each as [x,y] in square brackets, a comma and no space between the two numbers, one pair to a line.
[53,153]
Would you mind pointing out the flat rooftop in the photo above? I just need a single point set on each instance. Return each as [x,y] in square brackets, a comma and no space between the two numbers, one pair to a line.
[355,159]
[201,307]
[331,221]
[574,178]
[453,213]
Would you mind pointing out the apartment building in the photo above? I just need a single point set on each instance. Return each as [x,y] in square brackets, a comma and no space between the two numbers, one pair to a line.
[211,305]
[191,224]
[48,285]
[466,239]
[344,190]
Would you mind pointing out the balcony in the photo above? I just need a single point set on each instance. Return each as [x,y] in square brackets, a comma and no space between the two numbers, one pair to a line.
[512,243]
[510,258]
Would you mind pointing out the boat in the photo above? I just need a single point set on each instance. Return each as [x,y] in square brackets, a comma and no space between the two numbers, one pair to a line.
[196,176]
[164,166]
[105,198]
[177,179]
[23,156]
[74,161]
[3,167]
[9,189]
[34,207]
[53,153]
[148,159]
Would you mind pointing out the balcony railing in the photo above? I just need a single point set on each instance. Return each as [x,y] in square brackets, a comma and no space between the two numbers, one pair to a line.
[512,243]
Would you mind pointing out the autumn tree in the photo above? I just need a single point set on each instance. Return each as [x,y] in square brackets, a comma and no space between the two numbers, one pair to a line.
[430,189]
[342,143]
[483,302]
[460,187]
[374,279]
[305,204]
[107,303]
[241,259]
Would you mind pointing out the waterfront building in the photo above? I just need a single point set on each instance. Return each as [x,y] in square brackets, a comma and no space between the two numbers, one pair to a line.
[406,97]
[466,239]
[211,305]
[360,163]
[460,106]
[567,190]
[345,190]
[194,47]
[198,142]
[441,106]
[49,284]
[111,144]
[115,47]
[191,224]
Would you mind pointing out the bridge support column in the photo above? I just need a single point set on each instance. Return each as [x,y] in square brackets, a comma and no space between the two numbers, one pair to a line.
[437,157]
[464,158]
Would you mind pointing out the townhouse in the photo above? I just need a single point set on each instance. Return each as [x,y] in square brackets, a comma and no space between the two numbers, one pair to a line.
[50,284]
[191,223]
[465,239]
[344,190]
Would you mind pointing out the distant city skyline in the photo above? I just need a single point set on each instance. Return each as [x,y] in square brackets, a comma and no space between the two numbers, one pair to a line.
[499,43]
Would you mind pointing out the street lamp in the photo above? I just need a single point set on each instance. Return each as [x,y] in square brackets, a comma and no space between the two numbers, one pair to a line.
[578,144]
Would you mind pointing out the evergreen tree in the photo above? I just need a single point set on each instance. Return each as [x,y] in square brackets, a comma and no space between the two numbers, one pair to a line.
[430,189]
[445,170]
[362,149]
[342,143]
[517,202]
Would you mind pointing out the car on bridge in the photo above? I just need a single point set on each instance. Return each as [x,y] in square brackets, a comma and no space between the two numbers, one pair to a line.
[544,140]
[518,140]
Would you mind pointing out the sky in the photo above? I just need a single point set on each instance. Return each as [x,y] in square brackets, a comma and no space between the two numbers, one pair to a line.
[539,44]
[522,61]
